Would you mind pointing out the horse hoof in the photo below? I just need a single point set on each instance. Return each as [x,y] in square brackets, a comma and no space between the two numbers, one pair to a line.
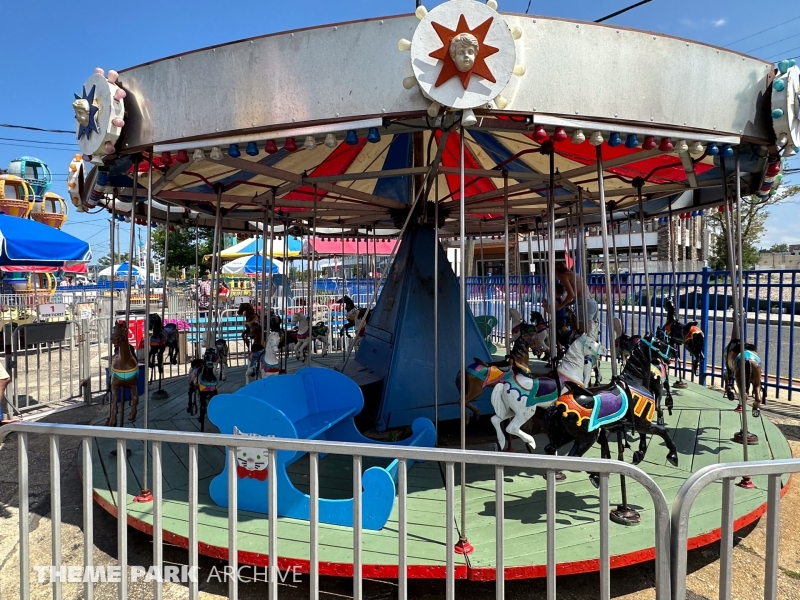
[560,476]
[638,457]
[756,413]
[660,420]
[529,449]
[672,458]
[497,447]
[594,478]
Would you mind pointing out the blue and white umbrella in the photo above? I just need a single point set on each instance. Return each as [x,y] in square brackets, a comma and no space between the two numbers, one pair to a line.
[26,242]
[251,265]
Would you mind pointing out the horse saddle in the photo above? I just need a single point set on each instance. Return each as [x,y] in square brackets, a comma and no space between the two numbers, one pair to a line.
[578,390]
[503,365]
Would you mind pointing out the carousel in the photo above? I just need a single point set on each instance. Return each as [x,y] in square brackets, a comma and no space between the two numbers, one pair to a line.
[456,123]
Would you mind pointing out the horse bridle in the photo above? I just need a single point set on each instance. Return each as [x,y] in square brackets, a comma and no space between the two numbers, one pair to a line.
[652,349]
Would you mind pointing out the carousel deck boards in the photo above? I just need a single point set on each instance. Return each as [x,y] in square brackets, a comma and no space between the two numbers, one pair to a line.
[702,426]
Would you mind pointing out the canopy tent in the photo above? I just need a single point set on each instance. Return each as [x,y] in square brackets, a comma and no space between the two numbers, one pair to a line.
[122,271]
[251,266]
[25,242]
[249,247]
[334,247]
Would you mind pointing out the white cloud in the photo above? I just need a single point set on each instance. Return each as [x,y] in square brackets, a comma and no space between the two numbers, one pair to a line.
[719,22]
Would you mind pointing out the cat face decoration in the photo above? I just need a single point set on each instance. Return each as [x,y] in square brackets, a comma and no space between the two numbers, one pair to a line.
[251,462]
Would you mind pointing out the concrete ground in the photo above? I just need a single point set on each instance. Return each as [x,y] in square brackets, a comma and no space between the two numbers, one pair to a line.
[632,583]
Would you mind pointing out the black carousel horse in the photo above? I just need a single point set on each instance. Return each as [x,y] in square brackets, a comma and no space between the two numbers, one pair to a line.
[735,361]
[585,416]
[352,313]
[688,334]
[158,345]
[203,384]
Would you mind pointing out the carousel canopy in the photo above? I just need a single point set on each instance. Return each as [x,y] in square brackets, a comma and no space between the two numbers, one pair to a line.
[249,247]
[251,265]
[78,269]
[25,242]
[362,140]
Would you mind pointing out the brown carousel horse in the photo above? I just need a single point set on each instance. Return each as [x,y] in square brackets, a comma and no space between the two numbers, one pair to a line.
[735,361]
[252,334]
[124,373]
[687,334]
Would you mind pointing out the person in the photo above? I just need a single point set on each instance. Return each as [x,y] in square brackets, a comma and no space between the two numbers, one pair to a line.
[576,291]
[204,295]
[563,321]
[5,379]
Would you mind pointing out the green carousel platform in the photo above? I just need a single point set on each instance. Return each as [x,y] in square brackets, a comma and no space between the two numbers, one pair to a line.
[702,427]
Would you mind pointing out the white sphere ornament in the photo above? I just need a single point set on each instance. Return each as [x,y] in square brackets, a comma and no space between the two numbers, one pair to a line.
[421,12]
[596,139]
[786,106]
[409,82]
[404,45]
[492,4]
[216,154]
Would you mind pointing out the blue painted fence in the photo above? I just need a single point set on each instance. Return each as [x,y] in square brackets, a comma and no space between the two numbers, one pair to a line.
[705,296]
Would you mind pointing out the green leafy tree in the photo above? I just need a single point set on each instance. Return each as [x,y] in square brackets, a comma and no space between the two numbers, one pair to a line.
[105,261]
[181,252]
[777,248]
[753,216]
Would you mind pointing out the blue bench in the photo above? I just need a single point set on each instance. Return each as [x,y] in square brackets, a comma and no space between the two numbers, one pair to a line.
[313,404]
[230,329]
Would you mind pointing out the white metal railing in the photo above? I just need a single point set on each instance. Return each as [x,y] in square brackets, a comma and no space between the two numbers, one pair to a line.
[682,507]
[500,461]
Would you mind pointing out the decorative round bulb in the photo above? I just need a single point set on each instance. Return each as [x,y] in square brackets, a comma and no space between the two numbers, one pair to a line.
[516,32]
[182,157]
[631,141]
[560,134]
[351,138]
[696,149]
[310,143]
[779,85]
[109,148]
[233,151]
[578,137]
[682,147]
[330,141]
[539,134]
[712,149]
[492,4]
[216,153]
[726,150]
[373,136]
[777,113]
[649,142]
[290,145]
[421,12]
[614,140]
[596,139]
[519,70]
[198,155]
[501,102]
[666,145]
[409,82]
[468,118]
[270,147]
[100,71]
[252,149]
[404,45]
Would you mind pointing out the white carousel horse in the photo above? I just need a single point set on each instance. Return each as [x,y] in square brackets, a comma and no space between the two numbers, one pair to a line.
[517,395]
[306,335]
[264,362]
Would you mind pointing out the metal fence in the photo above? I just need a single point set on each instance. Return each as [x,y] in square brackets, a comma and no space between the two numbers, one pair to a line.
[771,298]
[192,441]
[682,507]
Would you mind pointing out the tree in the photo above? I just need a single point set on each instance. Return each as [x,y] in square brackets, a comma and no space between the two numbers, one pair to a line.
[754,215]
[777,248]
[181,252]
[105,261]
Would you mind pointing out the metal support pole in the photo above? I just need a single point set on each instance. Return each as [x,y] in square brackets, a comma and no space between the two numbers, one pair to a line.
[214,301]
[266,305]
[135,178]
[197,290]
[146,496]
[463,546]
[114,265]
[312,291]
[650,328]
[539,262]
[518,262]
[551,203]
[616,258]
[160,394]
[436,311]
[584,265]
[607,266]
[507,265]
[483,263]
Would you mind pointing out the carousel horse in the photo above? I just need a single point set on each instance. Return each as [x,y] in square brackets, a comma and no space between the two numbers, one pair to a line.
[203,384]
[517,394]
[264,362]
[584,416]
[352,314]
[171,333]
[480,374]
[252,333]
[221,358]
[735,361]
[275,322]
[688,334]
[308,335]
[158,345]
[623,342]
[520,328]
[124,373]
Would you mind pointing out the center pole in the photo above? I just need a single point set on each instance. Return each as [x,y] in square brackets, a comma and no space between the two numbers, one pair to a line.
[463,546]
[507,264]
[552,256]
[623,514]
[639,182]
[436,310]
[673,248]
[160,394]
[266,295]
[145,495]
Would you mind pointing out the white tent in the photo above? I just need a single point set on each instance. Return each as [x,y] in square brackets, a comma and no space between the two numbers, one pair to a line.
[121,271]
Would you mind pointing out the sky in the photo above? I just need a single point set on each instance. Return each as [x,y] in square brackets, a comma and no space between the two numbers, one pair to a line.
[55,46]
